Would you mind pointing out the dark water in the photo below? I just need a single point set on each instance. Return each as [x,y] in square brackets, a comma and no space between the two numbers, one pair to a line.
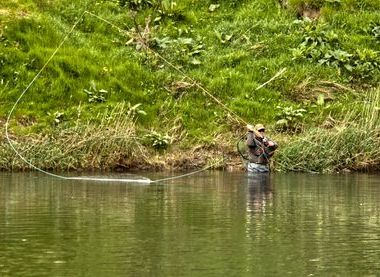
[211,224]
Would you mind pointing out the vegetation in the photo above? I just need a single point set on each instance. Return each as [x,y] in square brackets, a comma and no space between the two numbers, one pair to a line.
[171,84]
[351,144]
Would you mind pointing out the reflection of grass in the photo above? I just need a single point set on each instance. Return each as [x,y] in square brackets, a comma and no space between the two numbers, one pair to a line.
[354,143]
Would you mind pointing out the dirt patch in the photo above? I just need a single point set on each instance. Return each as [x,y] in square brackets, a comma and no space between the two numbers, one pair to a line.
[308,11]
[197,159]
[3,13]
[20,12]
[186,160]
[310,90]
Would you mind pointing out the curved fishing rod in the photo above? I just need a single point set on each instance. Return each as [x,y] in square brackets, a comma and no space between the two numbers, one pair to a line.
[236,117]
[143,180]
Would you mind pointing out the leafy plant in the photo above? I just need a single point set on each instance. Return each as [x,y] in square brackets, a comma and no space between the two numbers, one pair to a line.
[58,117]
[289,118]
[374,31]
[184,49]
[337,58]
[135,110]
[162,8]
[223,38]
[365,63]
[168,8]
[95,95]
[213,7]
[136,4]
[157,141]
[316,41]
[334,1]
[322,46]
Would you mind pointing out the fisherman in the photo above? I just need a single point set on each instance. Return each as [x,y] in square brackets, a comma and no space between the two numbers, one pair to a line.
[260,149]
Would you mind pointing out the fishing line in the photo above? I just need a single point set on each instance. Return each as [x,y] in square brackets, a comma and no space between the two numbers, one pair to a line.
[142,180]
[23,93]
[185,175]
[237,117]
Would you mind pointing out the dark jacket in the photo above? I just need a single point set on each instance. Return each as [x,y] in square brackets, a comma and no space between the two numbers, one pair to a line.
[259,149]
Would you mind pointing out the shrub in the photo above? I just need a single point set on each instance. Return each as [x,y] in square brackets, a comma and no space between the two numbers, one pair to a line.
[322,46]
[157,141]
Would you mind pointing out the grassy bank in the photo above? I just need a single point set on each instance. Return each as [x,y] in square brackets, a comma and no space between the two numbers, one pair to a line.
[106,101]
[110,141]
[350,144]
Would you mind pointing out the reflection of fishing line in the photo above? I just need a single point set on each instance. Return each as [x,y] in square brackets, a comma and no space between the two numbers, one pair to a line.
[142,180]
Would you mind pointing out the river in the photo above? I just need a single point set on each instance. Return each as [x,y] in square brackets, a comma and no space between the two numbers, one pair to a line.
[209,224]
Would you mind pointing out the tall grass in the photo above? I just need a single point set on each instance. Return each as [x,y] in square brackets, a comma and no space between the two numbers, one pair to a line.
[110,140]
[352,144]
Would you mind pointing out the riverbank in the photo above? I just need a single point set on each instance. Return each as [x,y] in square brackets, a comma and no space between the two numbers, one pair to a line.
[181,160]
[159,85]
[115,142]
[346,147]
[297,156]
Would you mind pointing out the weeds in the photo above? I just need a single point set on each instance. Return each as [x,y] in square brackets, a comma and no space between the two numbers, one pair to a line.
[322,46]
[352,144]
[289,118]
[374,31]
[156,140]
[95,95]
[108,142]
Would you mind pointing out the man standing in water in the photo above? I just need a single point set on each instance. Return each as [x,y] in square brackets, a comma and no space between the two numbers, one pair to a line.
[260,149]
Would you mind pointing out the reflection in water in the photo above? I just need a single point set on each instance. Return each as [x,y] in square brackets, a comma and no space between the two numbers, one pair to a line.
[212,224]
[260,192]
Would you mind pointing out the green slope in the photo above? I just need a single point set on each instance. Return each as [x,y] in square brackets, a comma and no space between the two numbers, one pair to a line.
[261,59]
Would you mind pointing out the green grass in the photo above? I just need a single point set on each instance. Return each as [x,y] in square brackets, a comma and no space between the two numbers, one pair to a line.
[351,143]
[230,52]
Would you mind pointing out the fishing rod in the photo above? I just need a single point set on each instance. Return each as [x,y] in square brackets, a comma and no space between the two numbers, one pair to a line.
[143,180]
[236,117]
[22,95]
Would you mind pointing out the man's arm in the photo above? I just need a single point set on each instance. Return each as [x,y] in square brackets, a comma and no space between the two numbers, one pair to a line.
[250,139]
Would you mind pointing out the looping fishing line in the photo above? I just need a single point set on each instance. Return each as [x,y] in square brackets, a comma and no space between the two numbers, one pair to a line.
[141,180]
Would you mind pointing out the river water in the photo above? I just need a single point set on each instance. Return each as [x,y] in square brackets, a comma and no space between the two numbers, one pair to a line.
[209,224]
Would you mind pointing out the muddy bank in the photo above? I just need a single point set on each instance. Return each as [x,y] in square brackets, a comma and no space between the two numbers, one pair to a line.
[185,161]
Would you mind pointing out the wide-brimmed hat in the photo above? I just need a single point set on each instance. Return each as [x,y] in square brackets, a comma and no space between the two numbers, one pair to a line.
[259,127]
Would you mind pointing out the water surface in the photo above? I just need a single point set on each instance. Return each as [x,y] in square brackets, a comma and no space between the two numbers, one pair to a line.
[209,224]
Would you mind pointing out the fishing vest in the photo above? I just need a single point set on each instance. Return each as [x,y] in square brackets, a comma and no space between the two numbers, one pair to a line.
[258,149]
